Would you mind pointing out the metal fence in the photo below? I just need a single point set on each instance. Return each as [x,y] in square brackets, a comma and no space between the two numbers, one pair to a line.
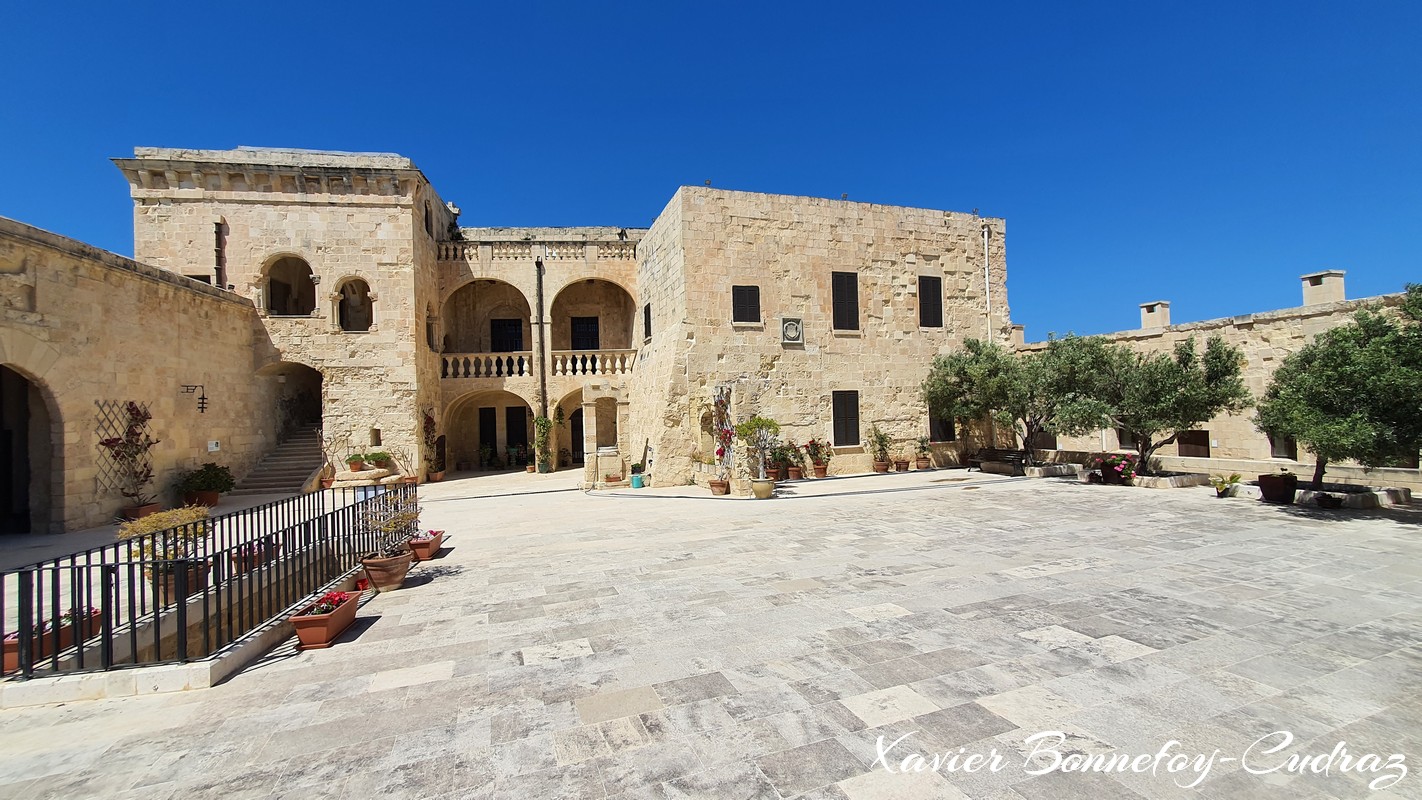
[187,593]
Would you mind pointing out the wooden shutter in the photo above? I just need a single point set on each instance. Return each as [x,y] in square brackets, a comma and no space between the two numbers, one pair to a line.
[846,418]
[930,301]
[745,304]
[845,288]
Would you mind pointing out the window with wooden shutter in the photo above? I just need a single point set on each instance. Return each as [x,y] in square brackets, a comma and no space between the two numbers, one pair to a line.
[1193,444]
[745,304]
[930,301]
[846,418]
[1283,447]
[845,288]
[940,428]
[647,321]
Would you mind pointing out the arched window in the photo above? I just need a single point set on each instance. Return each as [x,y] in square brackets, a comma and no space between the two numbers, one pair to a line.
[291,291]
[355,307]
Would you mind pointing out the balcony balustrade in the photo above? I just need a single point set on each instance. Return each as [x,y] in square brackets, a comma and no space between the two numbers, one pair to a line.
[486,365]
[591,362]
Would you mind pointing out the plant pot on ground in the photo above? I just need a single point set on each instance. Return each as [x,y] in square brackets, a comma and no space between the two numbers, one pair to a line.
[74,627]
[720,487]
[879,443]
[425,545]
[1225,486]
[920,458]
[1278,487]
[387,569]
[204,486]
[435,477]
[762,488]
[319,624]
[819,452]
[139,512]
[795,473]
[901,465]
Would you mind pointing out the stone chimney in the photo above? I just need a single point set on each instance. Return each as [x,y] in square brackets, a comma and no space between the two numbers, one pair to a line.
[1019,335]
[1323,287]
[1155,314]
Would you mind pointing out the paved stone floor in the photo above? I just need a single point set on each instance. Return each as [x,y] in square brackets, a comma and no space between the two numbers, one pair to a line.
[656,646]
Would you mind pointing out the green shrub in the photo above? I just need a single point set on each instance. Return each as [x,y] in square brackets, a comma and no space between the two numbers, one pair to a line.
[210,477]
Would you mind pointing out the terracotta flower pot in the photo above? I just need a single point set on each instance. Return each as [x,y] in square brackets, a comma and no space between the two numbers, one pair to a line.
[425,550]
[530,468]
[1111,477]
[436,477]
[796,473]
[821,470]
[762,488]
[209,499]
[901,465]
[612,478]
[720,487]
[318,631]
[41,645]
[922,463]
[386,574]
[881,466]
[1277,488]
[139,512]
[326,482]
[356,466]
[168,587]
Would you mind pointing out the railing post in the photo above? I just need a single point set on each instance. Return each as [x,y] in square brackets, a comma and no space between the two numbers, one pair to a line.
[180,583]
[27,623]
[107,575]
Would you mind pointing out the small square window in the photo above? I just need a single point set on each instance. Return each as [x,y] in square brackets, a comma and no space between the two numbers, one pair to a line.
[745,304]
[1283,447]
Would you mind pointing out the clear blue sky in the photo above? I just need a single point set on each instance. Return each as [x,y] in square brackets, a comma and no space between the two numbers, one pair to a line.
[1206,154]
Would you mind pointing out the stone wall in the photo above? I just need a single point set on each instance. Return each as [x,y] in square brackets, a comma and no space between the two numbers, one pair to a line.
[788,247]
[84,325]
[1266,339]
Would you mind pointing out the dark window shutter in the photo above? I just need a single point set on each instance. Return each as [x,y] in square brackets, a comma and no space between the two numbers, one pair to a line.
[647,321]
[930,301]
[845,288]
[846,418]
[940,429]
[745,304]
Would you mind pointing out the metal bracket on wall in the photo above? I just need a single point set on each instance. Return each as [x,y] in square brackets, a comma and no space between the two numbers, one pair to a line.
[189,388]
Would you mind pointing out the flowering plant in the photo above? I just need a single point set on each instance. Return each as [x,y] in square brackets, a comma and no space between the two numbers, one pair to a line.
[130,454]
[818,451]
[1122,464]
[426,536]
[327,603]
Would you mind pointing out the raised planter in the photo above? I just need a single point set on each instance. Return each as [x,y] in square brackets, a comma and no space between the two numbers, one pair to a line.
[425,549]
[720,487]
[762,488]
[1173,481]
[1051,470]
[1374,497]
[387,573]
[41,643]
[319,631]
[1278,488]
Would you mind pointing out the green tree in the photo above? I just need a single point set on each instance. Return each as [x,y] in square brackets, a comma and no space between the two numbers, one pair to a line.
[1354,392]
[1029,393]
[1154,397]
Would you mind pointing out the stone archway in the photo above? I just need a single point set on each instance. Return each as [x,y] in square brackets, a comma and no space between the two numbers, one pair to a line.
[489,429]
[26,457]
[299,401]
[354,301]
[290,287]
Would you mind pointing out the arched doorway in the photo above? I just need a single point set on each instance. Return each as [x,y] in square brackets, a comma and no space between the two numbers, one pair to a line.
[26,463]
[298,397]
[290,289]
[489,430]
[570,435]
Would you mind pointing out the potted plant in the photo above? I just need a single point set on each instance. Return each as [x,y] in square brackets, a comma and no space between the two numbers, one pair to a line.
[130,455]
[543,443]
[1225,486]
[901,464]
[725,434]
[205,485]
[434,458]
[380,460]
[253,555]
[1278,487]
[565,457]
[170,541]
[793,460]
[390,519]
[425,544]
[820,454]
[879,447]
[1117,469]
[486,456]
[759,434]
[318,624]
[356,462]
[921,459]
[75,626]
[636,470]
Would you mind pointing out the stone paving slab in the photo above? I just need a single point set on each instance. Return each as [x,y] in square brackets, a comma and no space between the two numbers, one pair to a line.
[589,645]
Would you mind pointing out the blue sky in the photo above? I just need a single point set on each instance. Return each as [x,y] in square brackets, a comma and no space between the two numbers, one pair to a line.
[1206,154]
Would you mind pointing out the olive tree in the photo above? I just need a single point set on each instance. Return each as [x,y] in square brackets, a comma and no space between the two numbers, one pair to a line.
[1154,397]
[1354,392]
[1045,390]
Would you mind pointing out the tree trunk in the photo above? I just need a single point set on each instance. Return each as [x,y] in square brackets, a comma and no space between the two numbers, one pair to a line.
[1029,434]
[1318,469]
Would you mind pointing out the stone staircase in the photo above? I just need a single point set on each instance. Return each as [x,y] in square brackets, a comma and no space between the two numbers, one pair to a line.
[286,469]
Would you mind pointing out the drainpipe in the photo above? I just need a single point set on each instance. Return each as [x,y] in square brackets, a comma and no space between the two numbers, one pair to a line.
[987,282]
[542,350]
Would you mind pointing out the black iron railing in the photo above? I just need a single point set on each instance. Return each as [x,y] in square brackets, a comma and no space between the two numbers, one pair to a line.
[189,592]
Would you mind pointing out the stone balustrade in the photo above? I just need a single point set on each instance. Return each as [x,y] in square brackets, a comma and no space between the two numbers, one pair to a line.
[591,362]
[486,365]
[527,250]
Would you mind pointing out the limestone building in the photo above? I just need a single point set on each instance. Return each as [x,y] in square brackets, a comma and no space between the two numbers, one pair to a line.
[295,290]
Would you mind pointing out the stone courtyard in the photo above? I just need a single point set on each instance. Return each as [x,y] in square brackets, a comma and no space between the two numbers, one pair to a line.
[656,644]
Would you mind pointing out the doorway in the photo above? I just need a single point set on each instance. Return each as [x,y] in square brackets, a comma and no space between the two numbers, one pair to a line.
[575,427]
[24,455]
